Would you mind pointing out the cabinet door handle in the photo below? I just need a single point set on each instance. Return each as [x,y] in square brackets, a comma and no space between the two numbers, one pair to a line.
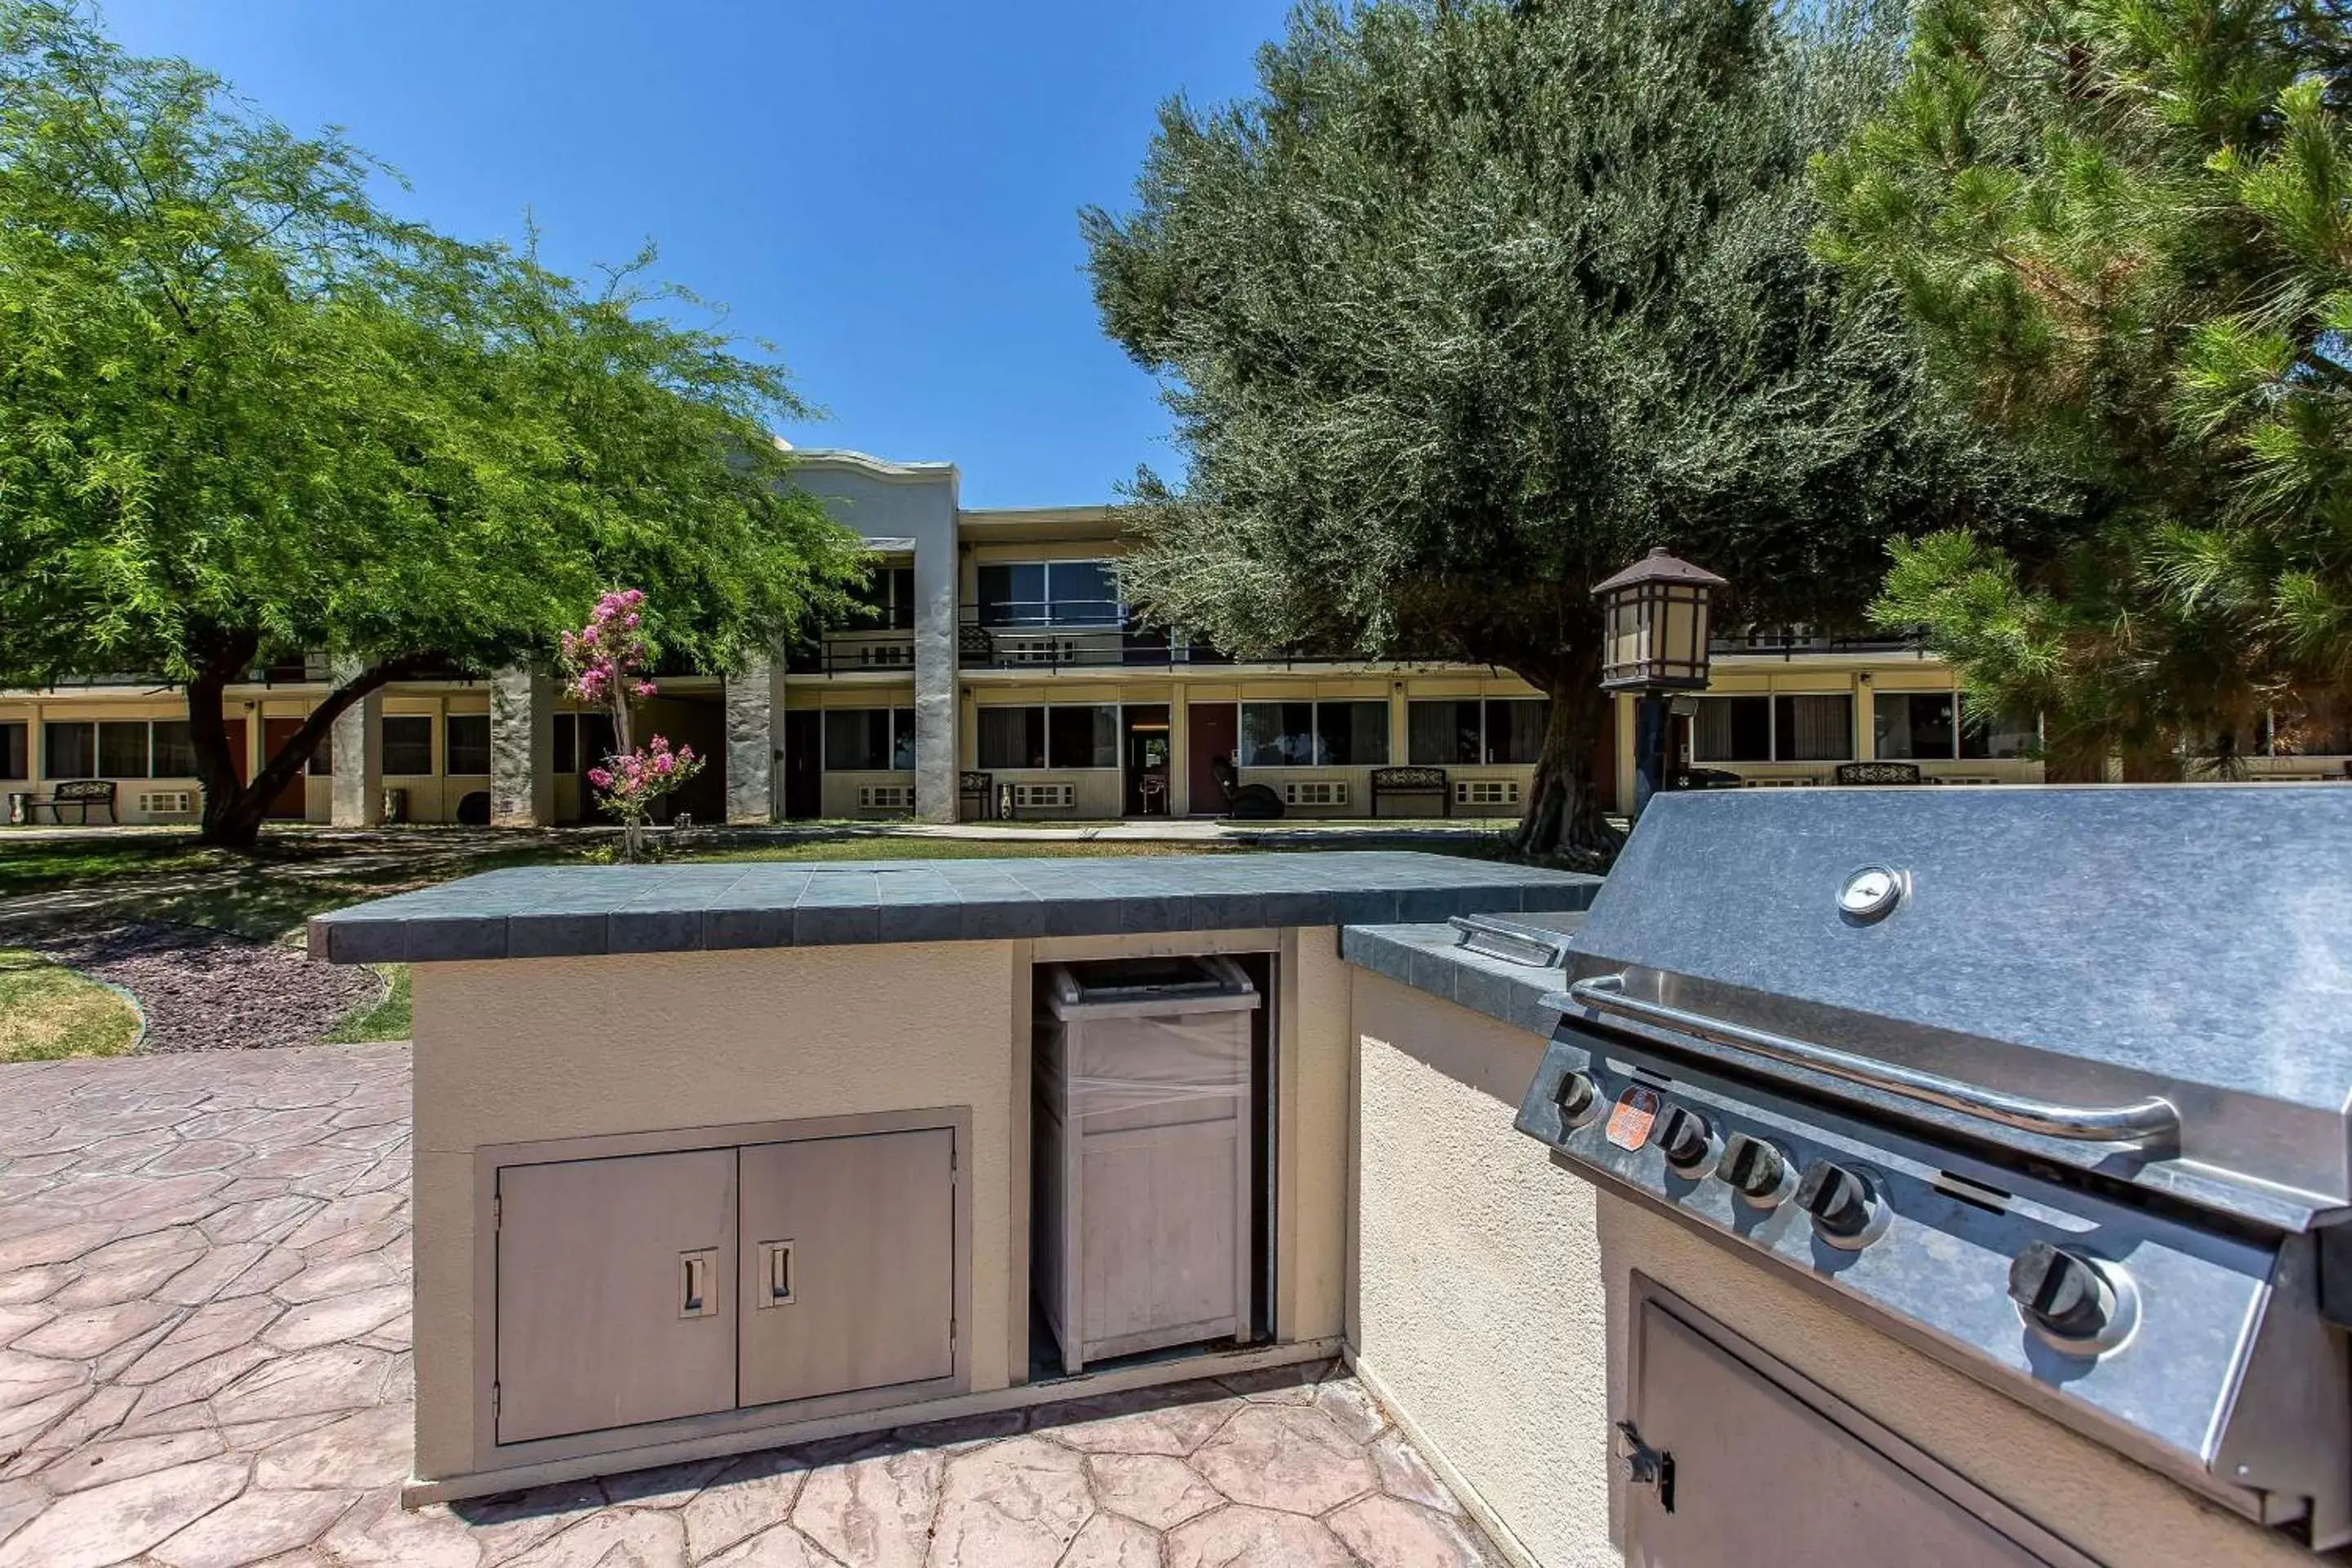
[697,1272]
[775,1274]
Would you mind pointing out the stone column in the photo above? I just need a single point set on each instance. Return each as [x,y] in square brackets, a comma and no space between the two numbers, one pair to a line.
[755,721]
[358,792]
[522,748]
[936,565]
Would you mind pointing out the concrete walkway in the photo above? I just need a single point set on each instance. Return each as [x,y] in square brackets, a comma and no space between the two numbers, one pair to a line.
[204,1364]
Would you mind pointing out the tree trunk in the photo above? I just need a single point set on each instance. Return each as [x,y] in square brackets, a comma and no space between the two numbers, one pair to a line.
[1564,819]
[233,812]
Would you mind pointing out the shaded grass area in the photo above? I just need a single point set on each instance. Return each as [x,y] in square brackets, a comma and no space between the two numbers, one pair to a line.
[48,1012]
[388,1019]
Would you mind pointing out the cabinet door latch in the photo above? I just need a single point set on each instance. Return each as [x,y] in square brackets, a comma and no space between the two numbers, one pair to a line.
[1645,1466]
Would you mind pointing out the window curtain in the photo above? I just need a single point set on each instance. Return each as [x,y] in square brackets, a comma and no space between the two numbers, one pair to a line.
[1816,729]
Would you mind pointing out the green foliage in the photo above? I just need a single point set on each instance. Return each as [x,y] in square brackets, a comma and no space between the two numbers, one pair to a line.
[244,412]
[1469,305]
[2123,227]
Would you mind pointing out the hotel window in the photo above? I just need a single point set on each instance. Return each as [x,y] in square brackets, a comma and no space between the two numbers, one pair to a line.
[1503,730]
[1935,726]
[1012,738]
[322,758]
[1050,593]
[122,750]
[886,602]
[176,750]
[1315,735]
[1351,734]
[1794,729]
[869,740]
[1082,736]
[1066,735]
[14,759]
[1277,734]
[407,745]
[70,750]
[466,743]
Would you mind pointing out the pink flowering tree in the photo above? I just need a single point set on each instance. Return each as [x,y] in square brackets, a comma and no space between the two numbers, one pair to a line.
[606,661]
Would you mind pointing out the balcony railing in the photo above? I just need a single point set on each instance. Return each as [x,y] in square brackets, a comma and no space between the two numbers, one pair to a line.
[863,651]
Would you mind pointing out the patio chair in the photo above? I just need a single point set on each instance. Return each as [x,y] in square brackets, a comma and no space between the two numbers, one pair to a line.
[1878,773]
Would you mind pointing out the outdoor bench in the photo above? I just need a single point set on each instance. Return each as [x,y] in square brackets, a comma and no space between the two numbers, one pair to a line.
[1387,782]
[78,795]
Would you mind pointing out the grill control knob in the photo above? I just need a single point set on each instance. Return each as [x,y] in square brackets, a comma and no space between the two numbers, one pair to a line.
[1847,1210]
[1756,1171]
[2064,1293]
[1688,1142]
[1574,1098]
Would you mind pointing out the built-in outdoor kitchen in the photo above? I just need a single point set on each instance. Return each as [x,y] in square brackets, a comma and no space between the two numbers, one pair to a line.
[1870,1177]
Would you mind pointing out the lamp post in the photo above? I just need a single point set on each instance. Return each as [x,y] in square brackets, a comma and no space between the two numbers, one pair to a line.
[1654,643]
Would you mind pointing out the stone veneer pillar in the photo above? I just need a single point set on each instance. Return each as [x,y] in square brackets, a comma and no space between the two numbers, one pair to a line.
[522,748]
[936,568]
[755,718]
[356,799]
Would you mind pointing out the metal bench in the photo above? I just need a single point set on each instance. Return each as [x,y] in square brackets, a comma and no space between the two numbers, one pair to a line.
[78,796]
[1878,773]
[1388,782]
[975,796]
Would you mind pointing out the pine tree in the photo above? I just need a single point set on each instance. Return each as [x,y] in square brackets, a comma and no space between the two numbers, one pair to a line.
[2124,229]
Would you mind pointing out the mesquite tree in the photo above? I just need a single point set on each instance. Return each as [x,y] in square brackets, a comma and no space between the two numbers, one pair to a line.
[1470,305]
[245,414]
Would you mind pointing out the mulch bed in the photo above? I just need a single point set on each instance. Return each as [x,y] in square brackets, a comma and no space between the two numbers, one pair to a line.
[202,990]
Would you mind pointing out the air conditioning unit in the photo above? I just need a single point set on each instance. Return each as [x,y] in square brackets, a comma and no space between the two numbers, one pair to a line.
[1043,796]
[168,802]
[1316,792]
[1486,792]
[886,797]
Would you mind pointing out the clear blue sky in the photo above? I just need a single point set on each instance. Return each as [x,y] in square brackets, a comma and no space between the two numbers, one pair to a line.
[885,189]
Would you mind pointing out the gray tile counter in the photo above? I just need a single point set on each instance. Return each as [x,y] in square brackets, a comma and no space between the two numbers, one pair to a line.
[1427,958]
[574,910]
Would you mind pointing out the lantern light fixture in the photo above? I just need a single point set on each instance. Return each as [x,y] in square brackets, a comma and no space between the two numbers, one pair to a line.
[1655,626]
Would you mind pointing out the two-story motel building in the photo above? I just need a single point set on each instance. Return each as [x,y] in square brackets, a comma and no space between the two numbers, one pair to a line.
[999,671]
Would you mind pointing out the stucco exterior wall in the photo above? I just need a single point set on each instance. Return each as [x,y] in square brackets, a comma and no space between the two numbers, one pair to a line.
[523,1050]
[1479,1307]
[913,505]
[1493,1293]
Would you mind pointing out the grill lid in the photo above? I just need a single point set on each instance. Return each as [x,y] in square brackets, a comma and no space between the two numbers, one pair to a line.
[2151,956]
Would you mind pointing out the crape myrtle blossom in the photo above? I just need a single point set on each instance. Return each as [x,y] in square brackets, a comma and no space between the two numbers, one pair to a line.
[606,662]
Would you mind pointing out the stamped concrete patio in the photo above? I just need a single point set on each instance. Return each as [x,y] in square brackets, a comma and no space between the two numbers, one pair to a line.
[204,1362]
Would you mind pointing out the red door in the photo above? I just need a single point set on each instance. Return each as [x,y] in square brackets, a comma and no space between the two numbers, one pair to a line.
[1214,729]
[275,732]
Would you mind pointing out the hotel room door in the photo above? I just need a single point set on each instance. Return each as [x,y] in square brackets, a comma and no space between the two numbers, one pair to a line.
[1213,731]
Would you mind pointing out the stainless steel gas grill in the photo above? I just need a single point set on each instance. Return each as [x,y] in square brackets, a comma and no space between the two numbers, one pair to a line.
[2050,1084]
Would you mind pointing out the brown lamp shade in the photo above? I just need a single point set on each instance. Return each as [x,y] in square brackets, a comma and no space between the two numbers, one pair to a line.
[1655,626]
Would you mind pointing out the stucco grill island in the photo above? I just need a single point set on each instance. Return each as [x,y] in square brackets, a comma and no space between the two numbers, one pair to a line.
[714,1157]
[1871,1176]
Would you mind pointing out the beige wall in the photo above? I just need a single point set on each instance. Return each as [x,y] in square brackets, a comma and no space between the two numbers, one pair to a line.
[1492,1289]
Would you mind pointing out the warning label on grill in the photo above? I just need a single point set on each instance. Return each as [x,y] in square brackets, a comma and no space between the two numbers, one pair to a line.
[1630,1120]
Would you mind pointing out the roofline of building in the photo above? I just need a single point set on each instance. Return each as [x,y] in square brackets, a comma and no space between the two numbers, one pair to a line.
[867,463]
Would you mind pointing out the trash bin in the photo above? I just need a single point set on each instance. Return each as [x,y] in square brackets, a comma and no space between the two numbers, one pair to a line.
[1141,1144]
[395,805]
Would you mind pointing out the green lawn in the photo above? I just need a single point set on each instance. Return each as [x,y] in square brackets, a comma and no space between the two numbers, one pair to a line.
[384,1020]
[48,1011]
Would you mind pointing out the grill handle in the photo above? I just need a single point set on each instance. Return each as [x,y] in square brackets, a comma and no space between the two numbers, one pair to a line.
[2151,1121]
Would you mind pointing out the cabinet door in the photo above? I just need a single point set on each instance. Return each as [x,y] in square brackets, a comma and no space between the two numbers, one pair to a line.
[617,1292]
[848,1248]
[1753,1476]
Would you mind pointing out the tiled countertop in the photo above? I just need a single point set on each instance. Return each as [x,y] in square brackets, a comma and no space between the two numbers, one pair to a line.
[1426,958]
[571,910]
